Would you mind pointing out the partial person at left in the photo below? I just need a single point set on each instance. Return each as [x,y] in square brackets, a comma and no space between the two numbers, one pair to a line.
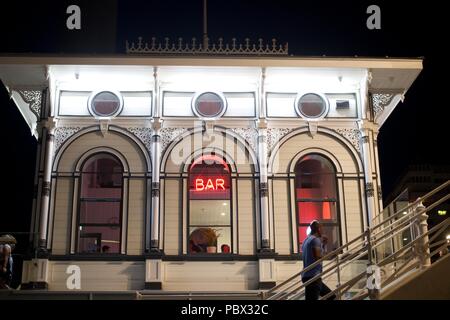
[7,245]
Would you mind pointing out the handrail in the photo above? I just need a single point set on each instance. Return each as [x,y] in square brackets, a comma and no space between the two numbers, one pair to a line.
[311,266]
[397,231]
[413,204]
[415,215]
[438,229]
[348,257]
[370,240]
[191,294]
[410,244]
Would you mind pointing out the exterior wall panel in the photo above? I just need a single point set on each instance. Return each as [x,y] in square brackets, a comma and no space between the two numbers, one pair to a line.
[136,217]
[99,275]
[246,217]
[62,216]
[210,276]
[172,214]
[282,211]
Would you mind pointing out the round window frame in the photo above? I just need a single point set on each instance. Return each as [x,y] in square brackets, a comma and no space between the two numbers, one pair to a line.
[199,114]
[96,115]
[301,114]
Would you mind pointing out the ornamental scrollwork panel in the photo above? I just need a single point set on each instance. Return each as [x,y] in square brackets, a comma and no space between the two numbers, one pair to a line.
[274,135]
[352,135]
[250,135]
[369,189]
[62,134]
[168,135]
[34,99]
[380,101]
[144,134]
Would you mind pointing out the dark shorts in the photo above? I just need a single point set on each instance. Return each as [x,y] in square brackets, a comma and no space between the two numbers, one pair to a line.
[316,289]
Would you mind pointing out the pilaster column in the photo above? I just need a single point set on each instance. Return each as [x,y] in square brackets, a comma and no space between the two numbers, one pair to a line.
[379,194]
[156,160]
[50,125]
[368,165]
[35,210]
[263,189]
[366,126]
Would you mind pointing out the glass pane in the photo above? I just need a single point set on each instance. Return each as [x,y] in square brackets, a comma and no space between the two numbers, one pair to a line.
[99,240]
[100,203]
[100,212]
[203,237]
[102,177]
[209,186]
[209,104]
[311,105]
[315,178]
[322,211]
[209,212]
[209,178]
[104,163]
[105,103]
[302,234]
[101,185]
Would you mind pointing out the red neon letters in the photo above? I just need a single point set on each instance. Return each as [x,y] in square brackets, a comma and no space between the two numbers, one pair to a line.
[209,184]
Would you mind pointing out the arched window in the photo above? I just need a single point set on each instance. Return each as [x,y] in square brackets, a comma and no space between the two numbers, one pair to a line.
[209,219]
[100,209]
[316,197]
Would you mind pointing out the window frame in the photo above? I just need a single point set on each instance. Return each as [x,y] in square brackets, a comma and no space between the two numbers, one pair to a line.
[322,115]
[99,116]
[335,200]
[199,114]
[230,204]
[79,202]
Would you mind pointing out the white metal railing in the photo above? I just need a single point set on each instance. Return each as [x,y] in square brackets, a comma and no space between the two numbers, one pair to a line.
[384,246]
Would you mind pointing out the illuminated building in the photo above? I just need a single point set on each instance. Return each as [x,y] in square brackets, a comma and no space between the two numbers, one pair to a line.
[199,172]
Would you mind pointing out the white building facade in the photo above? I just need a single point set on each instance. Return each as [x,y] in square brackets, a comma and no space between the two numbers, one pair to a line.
[198,173]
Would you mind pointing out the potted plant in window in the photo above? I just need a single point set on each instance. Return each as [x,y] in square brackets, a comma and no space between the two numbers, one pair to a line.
[211,239]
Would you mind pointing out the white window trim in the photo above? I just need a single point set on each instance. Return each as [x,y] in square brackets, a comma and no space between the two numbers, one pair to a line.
[97,116]
[321,95]
[199,115]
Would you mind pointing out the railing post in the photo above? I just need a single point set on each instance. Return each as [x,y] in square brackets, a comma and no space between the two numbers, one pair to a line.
[338,293]
[424,244]
[372,281]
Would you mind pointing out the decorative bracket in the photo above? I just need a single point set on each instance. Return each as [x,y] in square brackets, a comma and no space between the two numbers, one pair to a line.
[380,101]
[33,98]
[104,126]
[312,126]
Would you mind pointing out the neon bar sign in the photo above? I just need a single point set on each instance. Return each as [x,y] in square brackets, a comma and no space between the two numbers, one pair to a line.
[209,184]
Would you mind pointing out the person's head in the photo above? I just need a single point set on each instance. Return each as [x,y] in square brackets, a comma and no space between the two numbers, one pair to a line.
[316,228]
[9,241]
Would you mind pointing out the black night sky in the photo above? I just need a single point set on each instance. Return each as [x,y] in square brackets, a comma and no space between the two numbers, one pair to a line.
[417,131]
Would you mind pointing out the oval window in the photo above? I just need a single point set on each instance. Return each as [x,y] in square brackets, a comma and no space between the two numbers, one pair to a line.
[311,105]
[209,105]
[105,104]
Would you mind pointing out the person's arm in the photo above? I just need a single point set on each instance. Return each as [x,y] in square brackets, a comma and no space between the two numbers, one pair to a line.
[317,248]
[6,254]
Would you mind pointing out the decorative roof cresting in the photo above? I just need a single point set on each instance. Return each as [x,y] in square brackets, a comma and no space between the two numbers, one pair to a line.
[206,48]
